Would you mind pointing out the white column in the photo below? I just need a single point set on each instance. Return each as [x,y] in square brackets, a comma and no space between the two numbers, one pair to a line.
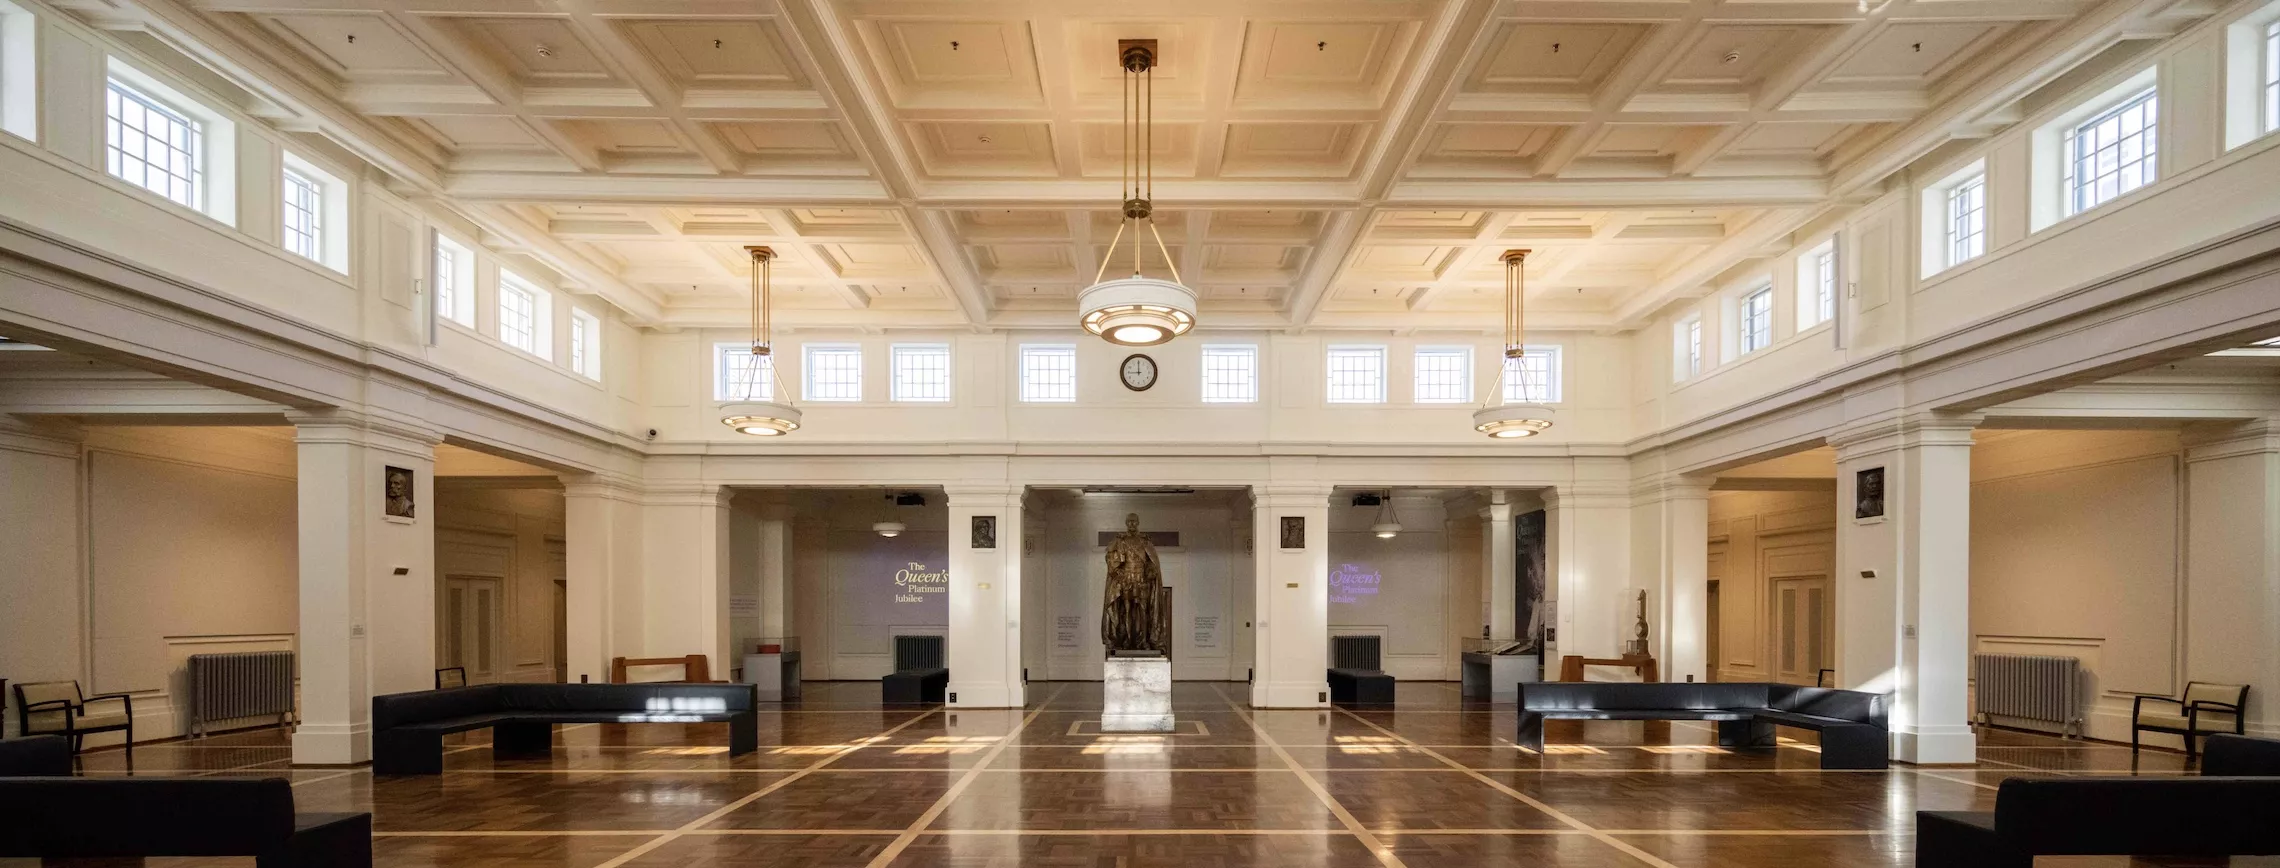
[602,532]
[685,578]
[367,578]
[1907,631]
[2232,579]
[1498,560]
[984,644]
[1670,535]
[777,595]
[1292,639]
[1588,551]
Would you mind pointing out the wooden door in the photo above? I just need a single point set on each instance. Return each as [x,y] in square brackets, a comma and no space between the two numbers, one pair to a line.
[471,627]
[1803,623]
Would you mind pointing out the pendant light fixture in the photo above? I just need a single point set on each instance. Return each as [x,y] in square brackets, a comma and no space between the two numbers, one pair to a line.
[889,528]
[1495,418]
[747,415]
[1388,523]
[1137,311]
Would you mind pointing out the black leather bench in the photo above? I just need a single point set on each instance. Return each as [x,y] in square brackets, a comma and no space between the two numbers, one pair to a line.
[2233,810]
[46,813]
[1852,724]
[920,675]
[1361,686]
[408,728]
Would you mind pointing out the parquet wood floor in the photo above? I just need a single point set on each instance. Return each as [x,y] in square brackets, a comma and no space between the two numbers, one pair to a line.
[842,782]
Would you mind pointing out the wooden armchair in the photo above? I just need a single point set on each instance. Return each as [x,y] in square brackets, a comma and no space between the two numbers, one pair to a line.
[695,668]
[451,676]
[2205,709]
[58,708]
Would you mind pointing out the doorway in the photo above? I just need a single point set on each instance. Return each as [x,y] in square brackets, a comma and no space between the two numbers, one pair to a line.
[471,627]
[1710,636]
[1802,627]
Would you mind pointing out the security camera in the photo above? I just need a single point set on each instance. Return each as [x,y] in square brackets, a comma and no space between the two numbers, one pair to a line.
[652,433]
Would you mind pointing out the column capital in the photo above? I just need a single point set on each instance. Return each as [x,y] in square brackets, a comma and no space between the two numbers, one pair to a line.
[340,425]
[1671,486]
[600,485]
[688,494]
[1290,495]
[1585,497]
[2211,442]
[1902,431]
[1496,512]
[982,494]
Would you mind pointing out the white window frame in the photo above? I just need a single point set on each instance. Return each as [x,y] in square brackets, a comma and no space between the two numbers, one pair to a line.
[2271,78]
[1964,227]
[1686,348]
[811,365]
[1817,285]
[2251,108]
[1548,357]
[1753,322]
[903,388]
[301,215]
[332,212]
[541,334]
[19,72]
[1460,392]
[1034,388]
[2080,191]
[2050,150]
[451,275]
[730,359]
[214,157]
[586,344]
[1938,244]
[1369,393]
[1236,383]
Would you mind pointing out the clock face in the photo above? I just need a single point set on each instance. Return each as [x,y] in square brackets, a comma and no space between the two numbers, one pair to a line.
[1138,372]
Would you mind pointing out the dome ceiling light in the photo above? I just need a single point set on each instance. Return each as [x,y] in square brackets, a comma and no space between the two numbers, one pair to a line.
[755,416]
[1137,311]
[1388,523]
[1497,417]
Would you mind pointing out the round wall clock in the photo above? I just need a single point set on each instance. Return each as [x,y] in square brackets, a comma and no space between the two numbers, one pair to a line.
[1138,372]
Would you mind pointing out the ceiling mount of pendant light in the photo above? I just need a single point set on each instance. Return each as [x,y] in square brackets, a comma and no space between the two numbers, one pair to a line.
[1388,523]
[748,415]
[1137,311]
[1495,418]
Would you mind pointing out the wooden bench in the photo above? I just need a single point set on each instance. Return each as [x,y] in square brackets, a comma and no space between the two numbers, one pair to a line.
[63,820]
[408,728]
[695,669]
[1852,725]
[919,676]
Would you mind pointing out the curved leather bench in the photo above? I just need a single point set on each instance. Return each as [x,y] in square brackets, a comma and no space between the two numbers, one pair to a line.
[408,728]
[1852,724]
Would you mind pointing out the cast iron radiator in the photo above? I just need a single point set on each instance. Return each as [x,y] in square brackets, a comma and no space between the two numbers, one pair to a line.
[2030,687]
[1354,652]
[918,652]
[246,684]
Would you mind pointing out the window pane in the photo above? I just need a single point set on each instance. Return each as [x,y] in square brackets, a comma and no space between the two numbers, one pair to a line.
[1444,375]
[1534,378]
[152,146]
[1757,320]
[1048,373]
[1967,220]
[1357,375]
[518,315]
[304,210]
[2113,153]
[834,373]
[922,373]
[738,375]
[1230,374]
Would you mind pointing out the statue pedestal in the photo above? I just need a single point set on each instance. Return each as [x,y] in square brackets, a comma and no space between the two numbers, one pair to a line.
[1137,695]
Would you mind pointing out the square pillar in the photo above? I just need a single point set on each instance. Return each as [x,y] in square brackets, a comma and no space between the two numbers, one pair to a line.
[367,576]
[1292,639]
[1670,535]
[1588,552]
[602,534]
[2232,579]
[1501,564]
[1907,631]
[684,581]
[776,582]
[984,644]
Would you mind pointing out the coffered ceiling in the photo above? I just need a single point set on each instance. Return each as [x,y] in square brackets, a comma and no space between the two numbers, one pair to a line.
[1329,164]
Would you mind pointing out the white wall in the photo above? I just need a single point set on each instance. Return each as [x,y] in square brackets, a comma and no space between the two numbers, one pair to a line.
[190,542]
[1401,589]
[1209,574]
[1756,536]
[514,535]
[849,606]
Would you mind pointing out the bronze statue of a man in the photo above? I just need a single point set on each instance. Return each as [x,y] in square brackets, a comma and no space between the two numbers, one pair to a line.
[1128,617]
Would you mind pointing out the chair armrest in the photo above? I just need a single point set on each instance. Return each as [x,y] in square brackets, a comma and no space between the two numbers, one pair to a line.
[2137,705]
[2213,705]
[64,704]
[125,700]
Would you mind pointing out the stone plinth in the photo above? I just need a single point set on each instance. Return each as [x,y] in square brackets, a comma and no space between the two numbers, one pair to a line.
[1137,694]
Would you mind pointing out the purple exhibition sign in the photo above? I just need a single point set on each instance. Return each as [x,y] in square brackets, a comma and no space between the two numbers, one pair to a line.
[1350,582]
[899,582]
